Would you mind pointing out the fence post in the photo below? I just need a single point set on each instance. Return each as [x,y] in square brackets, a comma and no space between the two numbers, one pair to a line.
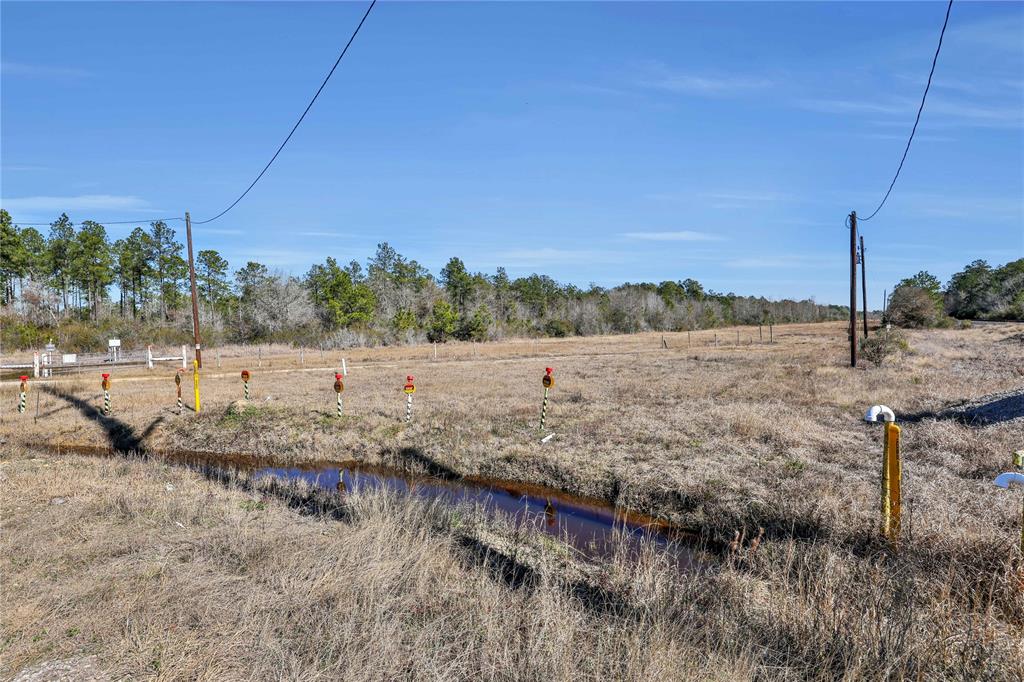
[184,358]
[35,364]
[149,356]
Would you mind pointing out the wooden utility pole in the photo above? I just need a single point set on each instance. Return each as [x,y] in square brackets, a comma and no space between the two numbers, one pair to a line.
[853,289]
[864,285]
[195,301]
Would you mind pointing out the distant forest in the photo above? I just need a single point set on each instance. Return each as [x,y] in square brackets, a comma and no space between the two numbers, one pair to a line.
[76,286]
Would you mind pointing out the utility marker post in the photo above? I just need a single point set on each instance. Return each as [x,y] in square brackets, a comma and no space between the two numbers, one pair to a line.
[853,289]
[195,382]
[195,299]
[24,390]
[245,383]
[892,471]
[105,383]
[548,381]
[177,385]
[409,389]
[339,386]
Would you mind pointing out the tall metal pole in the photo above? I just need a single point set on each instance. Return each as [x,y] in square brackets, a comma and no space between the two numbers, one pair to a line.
[864,285]
[195,301]
[853,289]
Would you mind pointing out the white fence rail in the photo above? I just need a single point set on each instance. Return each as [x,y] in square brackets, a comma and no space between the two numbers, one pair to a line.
[51,362]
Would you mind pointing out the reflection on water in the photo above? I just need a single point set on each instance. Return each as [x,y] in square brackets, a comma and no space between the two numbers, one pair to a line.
[595,529]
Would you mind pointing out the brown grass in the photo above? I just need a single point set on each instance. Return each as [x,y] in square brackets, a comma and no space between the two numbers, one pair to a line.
[719,440]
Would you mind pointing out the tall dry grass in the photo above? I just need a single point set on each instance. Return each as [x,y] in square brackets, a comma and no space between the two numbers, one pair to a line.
[164,574]
[724,441]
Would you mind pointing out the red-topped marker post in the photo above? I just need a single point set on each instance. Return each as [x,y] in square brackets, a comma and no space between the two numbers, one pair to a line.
[549,382]
[339,386]
[245,383]
[106,392]
[409,389]
[22,399]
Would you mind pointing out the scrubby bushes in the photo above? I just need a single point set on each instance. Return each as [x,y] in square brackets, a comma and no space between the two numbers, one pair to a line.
[883,346]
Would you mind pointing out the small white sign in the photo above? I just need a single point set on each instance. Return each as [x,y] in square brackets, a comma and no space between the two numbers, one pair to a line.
[114,343]
[69,358]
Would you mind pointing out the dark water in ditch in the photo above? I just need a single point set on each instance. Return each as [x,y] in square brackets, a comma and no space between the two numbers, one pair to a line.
[594,528]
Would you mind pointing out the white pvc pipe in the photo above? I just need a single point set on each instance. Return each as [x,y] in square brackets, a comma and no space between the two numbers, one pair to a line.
[879,410]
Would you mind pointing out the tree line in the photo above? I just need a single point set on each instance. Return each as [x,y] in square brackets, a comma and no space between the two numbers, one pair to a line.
[978,292]
[76,274]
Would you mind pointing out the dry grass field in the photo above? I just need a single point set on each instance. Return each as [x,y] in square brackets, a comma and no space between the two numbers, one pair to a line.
[162,572]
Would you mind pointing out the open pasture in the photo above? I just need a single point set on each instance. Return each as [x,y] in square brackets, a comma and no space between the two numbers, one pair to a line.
[732,443]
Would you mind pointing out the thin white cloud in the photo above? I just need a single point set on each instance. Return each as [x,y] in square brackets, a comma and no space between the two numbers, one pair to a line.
[42,71]
[903,138]
[217,230]
[939,111]
[705,85]
[674,236]
[23,168]
[80,202]
[840,106]
[528,258]
[658,76]
[782,261]
[323,233]
[748,197]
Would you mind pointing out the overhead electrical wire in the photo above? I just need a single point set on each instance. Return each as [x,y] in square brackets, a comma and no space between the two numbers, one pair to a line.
[272,159]
[917,120]
[111,222]
[297,123]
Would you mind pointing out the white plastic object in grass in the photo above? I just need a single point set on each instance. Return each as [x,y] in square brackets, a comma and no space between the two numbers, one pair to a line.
[876,411]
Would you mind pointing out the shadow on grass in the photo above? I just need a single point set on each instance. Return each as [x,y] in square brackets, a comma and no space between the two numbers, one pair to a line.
[423,461]
[516,575]
[122,436]
[995,410]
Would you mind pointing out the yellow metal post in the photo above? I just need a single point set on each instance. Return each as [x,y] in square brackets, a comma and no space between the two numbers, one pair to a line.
[886,516]
[195,382]
[892,479]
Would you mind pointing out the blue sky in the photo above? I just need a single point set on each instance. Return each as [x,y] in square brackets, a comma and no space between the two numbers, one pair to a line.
[597,143]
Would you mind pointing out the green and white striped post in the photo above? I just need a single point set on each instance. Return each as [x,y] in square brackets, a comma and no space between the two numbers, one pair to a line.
[106,393]
[549,382]
[339,386]
[24,389]
[245,383]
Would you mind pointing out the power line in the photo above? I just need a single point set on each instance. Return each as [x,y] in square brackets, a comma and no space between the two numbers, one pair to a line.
[108,222]
[917,120]
[297,123]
